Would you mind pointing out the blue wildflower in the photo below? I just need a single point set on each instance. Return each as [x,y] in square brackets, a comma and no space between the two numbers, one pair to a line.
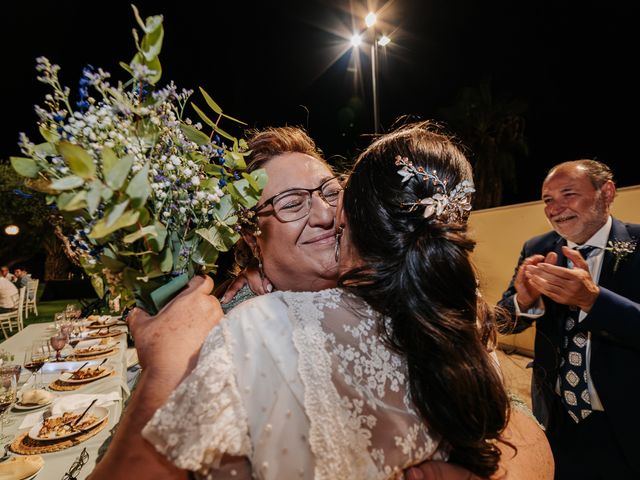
[22,194]
[222,182]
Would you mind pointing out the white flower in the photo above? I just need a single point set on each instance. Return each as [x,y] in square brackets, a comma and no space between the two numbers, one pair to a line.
[195,181]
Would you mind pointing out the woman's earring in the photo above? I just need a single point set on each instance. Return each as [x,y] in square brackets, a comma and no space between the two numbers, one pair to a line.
[339,232]
[257,256]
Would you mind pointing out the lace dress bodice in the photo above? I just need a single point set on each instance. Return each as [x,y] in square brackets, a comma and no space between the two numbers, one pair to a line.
[295,385]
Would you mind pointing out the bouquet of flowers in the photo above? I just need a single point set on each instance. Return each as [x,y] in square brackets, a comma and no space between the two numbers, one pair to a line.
[150,198]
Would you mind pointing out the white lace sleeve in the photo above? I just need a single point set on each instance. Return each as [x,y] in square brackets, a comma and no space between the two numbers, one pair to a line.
[204,418]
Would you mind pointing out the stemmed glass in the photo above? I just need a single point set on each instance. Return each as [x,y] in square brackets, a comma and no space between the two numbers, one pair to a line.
[16,370]
[58,341]
[35,358]
[7,398]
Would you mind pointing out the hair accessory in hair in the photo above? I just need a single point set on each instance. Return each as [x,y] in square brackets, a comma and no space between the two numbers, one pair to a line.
[453,206]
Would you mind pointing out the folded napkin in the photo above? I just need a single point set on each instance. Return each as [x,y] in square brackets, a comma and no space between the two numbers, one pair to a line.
[82,400]
[68,403]
[17,468]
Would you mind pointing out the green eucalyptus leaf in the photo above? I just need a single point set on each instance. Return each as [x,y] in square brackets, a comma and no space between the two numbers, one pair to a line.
[153,64]
[118,171]
[238,160]
[116,212]
[27,167]
[224,208]
[109,160]
[70,201]
[49,135]
[126,67]
[241,191]
[205,254]
[100,229]
[216,108]
[152,41]
[46,149]
[67,183]
[166,260]
[139,187]
[220,238]
[194,135]
[157,242]
[260,177]
[112,264]
[93,196]
[203,116]
[149,230]
[106,193]
[212,104]
[78,159]
[98,285]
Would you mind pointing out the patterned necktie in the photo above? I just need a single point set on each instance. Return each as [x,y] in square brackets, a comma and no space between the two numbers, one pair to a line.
[573,371]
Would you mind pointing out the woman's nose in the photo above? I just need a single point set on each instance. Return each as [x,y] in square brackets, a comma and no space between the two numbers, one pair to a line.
[321,214]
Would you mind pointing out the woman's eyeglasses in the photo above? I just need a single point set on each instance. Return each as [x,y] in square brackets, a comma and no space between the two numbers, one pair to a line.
[77,465]
[294,204]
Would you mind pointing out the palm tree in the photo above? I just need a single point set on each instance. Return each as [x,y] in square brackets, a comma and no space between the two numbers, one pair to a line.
[493,128]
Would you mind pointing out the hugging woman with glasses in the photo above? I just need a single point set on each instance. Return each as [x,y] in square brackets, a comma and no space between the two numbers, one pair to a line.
[291,233]
[357,382]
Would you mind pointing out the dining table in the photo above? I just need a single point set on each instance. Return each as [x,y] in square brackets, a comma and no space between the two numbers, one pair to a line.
[115,388]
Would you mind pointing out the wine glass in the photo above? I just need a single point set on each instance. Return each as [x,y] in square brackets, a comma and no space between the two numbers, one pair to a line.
[7,398]
[16,370]
[58,341]
[35,358]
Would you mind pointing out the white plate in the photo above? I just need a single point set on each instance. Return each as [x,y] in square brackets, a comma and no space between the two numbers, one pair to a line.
[32,406]
[101,324]
[94,350]
[100,412]
[96,333]
[66,377]
[11,468]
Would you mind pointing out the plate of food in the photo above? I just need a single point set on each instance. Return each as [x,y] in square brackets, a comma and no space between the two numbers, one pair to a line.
[21,467]
[94,347]
[33,399]
[63,426]
[105,332]
[86,374]
[100,321]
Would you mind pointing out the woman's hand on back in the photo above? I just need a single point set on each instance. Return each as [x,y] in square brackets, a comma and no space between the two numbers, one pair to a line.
[250,275]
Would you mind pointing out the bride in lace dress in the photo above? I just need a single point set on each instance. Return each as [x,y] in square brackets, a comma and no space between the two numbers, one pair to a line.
[365,380]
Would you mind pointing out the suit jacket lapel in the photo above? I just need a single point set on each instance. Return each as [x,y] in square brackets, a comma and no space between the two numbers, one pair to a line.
[607,275]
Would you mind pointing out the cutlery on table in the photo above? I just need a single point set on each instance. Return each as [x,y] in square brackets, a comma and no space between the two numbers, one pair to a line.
[73,374]
[83,413]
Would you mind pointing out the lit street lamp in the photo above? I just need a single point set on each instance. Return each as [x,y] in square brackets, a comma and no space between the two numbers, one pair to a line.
[11,230]
[356,41]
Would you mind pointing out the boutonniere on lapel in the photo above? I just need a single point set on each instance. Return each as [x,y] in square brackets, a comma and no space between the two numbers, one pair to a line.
[620,249]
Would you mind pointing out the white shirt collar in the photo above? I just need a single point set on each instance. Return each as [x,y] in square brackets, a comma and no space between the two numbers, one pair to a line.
[599,239]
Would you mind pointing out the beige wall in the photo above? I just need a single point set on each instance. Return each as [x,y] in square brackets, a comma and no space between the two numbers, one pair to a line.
[500,233]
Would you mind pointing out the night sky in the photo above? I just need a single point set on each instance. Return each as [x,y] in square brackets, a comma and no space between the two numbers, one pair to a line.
[277,63]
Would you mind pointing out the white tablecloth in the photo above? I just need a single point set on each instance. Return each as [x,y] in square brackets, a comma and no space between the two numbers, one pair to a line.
[56,464]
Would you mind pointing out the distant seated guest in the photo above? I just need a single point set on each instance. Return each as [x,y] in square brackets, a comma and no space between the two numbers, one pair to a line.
[8,296]
[5,273]
[22,277]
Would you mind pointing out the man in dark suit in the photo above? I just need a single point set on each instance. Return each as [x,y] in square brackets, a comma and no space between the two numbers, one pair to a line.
[586,371]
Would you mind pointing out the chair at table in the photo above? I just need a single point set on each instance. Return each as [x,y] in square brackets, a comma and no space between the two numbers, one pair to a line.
[14,318]
[32,296]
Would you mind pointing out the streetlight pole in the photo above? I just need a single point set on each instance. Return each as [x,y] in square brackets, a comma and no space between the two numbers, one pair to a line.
[356,41]
[374,82]
[370,21]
